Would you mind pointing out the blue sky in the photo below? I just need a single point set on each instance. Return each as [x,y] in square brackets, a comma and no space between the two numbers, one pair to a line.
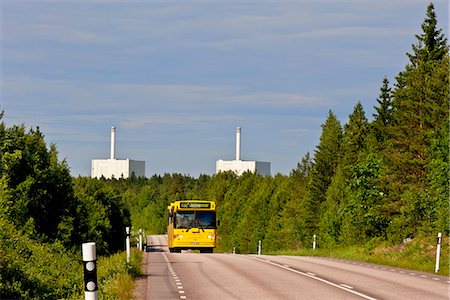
[177,77]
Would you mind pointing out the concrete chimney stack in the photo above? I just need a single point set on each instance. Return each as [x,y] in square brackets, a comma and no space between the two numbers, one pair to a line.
[238,143]
[113,142]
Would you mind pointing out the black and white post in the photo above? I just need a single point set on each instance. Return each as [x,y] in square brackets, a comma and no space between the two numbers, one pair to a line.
[314,241]
[90,271]
[438,252]
[127,243]
[140,239]
[259,247]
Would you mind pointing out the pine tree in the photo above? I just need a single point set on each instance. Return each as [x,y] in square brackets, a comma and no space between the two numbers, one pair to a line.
[303,168]
[354,137]
[383,115]
[420,103]
[420,110]
[327,154]
[432,45]
[352,147]
[325,163]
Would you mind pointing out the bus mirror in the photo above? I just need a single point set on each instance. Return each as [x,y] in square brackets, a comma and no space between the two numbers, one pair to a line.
[218,223]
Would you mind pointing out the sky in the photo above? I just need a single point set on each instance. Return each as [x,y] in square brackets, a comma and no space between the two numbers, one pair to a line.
[177,77]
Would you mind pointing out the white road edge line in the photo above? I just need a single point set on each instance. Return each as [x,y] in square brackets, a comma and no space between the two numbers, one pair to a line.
[315,278]
[346,286]
[175,277]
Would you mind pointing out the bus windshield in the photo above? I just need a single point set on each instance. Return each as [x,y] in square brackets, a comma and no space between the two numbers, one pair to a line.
[195,219]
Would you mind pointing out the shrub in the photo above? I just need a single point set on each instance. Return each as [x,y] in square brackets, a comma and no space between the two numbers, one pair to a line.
[32,270]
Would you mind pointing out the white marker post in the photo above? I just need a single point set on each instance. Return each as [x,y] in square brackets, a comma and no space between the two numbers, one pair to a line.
[90,271]
[314,241]
[140,239]
[438,252]
[259,247]
[127,243]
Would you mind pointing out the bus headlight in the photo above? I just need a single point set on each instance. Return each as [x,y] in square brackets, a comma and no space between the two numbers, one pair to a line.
[211,236]
[178,236]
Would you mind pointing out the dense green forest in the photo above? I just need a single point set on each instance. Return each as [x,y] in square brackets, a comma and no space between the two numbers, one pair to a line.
[367,182]
[45,216]
[383,180]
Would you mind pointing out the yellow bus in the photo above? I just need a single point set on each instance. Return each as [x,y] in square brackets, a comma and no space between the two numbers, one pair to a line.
[192,225]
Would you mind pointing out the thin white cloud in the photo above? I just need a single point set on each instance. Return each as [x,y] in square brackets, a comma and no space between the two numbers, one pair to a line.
[156,120]
[279,100]
[79,96]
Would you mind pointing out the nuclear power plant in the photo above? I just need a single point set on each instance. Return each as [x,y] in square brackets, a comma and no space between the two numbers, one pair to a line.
[241,166]
[116,168]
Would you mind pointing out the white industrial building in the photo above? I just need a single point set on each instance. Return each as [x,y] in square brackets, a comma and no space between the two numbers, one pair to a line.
[116,168]
[241,166]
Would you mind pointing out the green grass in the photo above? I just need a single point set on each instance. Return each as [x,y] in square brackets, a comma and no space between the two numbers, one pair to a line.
[116,277]
[418,254]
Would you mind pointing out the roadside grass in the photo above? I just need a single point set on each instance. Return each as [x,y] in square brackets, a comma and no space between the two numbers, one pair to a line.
[115,277]
[418,254]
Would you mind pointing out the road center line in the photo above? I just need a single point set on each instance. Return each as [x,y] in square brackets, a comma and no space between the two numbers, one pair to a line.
[315,278]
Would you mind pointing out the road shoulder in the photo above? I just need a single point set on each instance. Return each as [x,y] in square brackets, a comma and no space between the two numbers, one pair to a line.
[140,283]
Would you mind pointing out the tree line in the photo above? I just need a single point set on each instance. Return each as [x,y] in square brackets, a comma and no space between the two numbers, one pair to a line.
[385,179]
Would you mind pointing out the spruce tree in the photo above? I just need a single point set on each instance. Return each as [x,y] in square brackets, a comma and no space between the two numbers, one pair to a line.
[383,115]
[432,45]
[354,137]
[420,109]
[326,158]
[420,103]
[352,148]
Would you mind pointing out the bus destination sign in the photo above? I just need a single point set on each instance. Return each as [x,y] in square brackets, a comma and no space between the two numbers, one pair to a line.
[195,205]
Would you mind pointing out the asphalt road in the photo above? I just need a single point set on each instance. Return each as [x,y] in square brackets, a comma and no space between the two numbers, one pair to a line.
[229,276]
